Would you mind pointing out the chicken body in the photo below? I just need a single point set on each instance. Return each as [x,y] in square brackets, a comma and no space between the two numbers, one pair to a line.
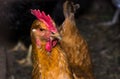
[75,45]
[49,61]
[50,65]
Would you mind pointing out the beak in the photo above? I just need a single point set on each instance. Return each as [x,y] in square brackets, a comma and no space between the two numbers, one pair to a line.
[56,35]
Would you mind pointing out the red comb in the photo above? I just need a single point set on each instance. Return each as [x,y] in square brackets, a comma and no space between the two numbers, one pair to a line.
[44,18]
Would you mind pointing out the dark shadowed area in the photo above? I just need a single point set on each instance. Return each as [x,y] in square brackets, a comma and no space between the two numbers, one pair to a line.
[103,41]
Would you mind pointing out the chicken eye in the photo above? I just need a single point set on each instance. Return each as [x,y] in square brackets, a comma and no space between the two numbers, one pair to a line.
[41,29]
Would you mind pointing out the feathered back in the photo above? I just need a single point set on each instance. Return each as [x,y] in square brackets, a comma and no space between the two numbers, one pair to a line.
[45,18]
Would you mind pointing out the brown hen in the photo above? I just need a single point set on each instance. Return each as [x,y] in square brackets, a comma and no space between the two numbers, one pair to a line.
[75,45]
[49,61]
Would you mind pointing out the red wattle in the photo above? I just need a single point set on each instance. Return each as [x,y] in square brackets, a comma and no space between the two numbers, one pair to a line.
[48,46]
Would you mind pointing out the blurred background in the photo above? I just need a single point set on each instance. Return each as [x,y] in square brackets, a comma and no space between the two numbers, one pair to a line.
[92,20]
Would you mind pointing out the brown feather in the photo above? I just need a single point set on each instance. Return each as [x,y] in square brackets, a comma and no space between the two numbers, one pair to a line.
[75,45]
[50,65]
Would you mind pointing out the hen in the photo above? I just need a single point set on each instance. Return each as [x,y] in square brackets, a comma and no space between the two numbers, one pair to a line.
[49,61]
[75,45]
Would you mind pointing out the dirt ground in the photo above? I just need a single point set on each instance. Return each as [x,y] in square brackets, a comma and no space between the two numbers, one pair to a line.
[103,41]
